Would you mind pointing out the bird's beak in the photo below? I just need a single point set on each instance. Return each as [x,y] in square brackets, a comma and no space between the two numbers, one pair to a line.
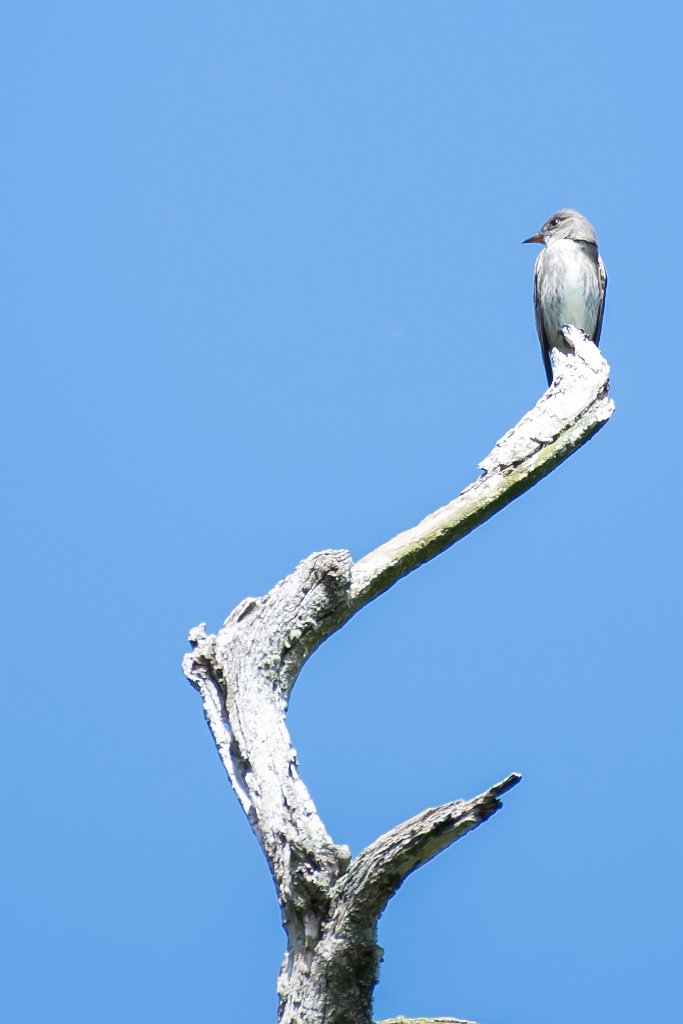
[534,238]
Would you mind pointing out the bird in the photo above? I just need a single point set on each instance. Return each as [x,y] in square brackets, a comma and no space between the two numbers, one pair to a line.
[570,281]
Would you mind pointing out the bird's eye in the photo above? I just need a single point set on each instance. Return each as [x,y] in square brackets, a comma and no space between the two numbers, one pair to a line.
[554,222]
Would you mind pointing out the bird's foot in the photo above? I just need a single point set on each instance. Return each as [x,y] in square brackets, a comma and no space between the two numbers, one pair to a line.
[567,330]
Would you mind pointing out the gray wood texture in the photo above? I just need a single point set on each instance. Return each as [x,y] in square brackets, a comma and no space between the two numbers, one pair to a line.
[330,902]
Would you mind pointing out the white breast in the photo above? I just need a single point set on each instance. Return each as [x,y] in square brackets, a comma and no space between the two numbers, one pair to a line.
[569,287]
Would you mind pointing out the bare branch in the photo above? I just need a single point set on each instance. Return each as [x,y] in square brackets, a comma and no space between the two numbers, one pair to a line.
[347,957]
[245,673]
[378,871]
[567,415]
[241,676]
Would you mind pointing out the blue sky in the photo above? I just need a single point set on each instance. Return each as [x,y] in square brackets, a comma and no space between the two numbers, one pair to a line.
[247,317]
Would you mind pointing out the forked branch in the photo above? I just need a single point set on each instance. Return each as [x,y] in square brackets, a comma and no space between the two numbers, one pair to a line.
[330,903]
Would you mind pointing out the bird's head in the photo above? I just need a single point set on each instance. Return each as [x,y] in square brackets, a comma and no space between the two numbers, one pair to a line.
[566,224]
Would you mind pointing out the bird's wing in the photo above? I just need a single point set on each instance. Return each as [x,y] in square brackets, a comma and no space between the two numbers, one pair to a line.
[602,274]
[542,337]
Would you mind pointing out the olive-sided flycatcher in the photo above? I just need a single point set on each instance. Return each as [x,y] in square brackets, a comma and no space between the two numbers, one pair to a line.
[569,282]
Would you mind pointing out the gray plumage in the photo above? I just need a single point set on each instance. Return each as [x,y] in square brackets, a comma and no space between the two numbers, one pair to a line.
[569,282]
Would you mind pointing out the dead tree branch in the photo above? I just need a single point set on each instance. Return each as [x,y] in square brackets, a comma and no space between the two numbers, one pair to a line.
[330,902]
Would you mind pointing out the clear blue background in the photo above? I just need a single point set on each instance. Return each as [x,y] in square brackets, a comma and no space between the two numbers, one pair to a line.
[264,293]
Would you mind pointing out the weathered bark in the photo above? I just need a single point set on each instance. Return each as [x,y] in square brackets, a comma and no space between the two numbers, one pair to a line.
[330,902]
[425,1020]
